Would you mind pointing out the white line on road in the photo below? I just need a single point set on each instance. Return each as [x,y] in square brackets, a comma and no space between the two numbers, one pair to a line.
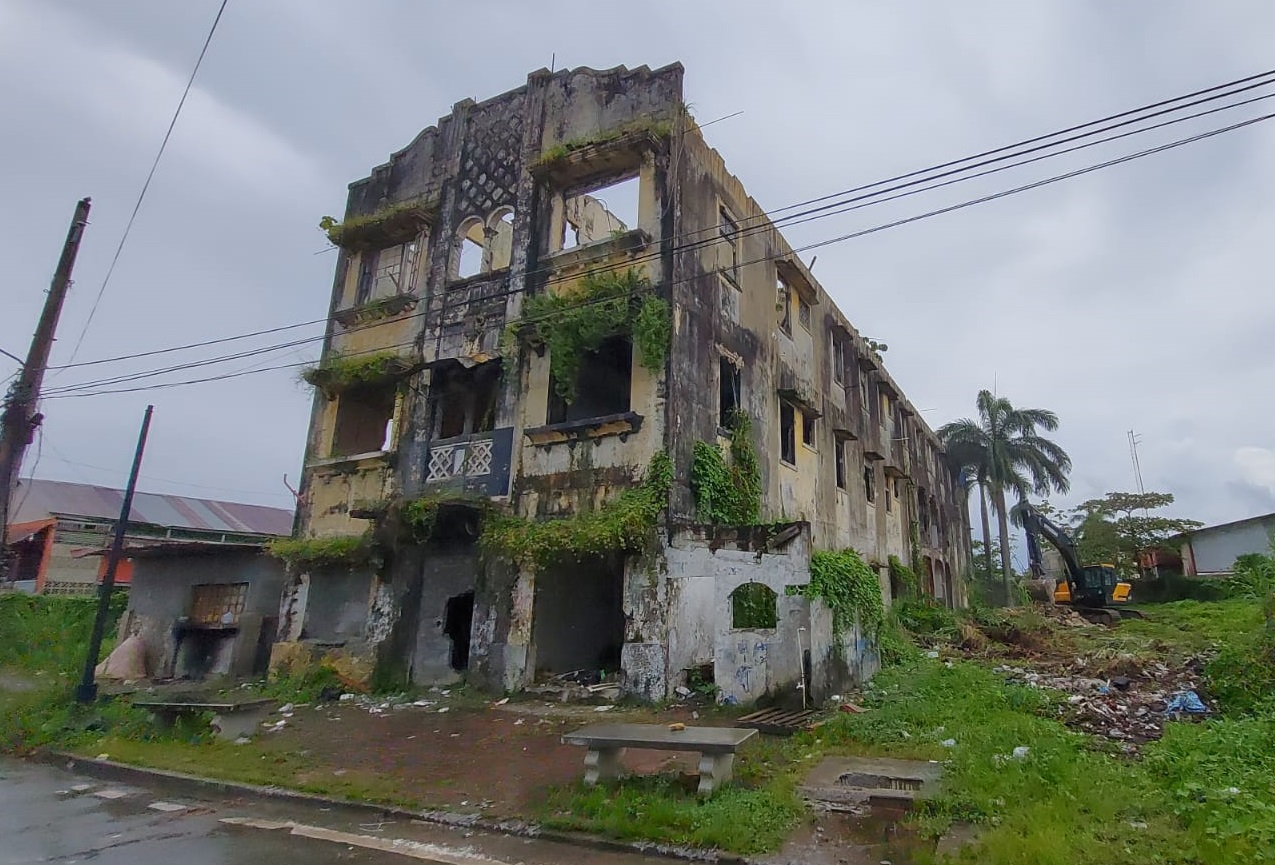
[414,849]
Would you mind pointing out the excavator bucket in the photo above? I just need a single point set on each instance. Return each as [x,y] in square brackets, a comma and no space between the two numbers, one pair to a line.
[1062,593]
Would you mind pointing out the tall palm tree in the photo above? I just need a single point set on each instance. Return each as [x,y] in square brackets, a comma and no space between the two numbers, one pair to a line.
[1008,455]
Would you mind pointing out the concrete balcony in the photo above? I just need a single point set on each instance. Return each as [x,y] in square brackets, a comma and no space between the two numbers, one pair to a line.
[477,463]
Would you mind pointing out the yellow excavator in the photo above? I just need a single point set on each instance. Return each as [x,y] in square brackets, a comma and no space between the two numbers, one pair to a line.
[1094,591]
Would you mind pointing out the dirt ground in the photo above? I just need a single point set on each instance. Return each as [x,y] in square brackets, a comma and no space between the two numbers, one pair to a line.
[497,759]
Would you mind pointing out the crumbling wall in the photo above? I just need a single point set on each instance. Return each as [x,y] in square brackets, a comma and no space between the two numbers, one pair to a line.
[704,566]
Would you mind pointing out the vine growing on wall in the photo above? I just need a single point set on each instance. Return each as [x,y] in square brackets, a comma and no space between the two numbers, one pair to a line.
[903,575]
[850,588]
[624,524]
[340,372]
[575,322]
[318,552]
[728,493]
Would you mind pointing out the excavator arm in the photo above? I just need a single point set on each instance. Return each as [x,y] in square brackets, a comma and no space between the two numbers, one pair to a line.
[1038,525]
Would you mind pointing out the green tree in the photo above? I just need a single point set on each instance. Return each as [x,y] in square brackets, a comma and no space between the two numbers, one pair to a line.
[1007,454]
[1119,526]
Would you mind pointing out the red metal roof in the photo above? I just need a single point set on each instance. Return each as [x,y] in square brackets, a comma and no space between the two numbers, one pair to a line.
[39,499]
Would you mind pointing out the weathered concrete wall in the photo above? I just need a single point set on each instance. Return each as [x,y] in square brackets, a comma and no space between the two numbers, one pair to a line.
[703,568]
[1213,550]
[731,310]
[162,592]
[444,576]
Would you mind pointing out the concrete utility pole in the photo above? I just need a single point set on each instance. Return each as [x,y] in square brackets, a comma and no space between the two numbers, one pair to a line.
[87,690]
[19,420]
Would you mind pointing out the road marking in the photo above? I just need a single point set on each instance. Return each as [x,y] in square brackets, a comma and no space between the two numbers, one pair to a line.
[166,807]
[110,794]
[414,849]
[82,788]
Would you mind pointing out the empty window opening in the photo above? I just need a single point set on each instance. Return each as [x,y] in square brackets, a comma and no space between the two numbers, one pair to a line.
[753,607]
[807,429]
[869,482]
[578,618]
[385,272]
[889,496]
[728,263]
[803,312]
[838,360]
[602,384]
[863,389]
[600,213]
[501,238]
[364,420]
[471,248]
[458,623]
[466,399]
[787,434]
[839,452]
[728,393]
[784,302]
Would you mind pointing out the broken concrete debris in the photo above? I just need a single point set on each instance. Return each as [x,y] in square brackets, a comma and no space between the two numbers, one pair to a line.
[1127,709]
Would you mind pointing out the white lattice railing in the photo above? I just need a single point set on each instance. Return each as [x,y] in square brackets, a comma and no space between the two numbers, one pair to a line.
[467,459]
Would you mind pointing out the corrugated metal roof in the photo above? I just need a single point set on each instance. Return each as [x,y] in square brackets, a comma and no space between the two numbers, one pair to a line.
[37,499]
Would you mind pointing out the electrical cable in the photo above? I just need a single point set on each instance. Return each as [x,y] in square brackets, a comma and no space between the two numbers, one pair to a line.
[807,247]
[145,186]
[713,229]
[843,209]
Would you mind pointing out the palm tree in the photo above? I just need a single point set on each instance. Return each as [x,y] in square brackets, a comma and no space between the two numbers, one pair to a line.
[1006,454]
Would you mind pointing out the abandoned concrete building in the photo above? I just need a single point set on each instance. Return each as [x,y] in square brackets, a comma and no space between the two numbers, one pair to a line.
[580,407]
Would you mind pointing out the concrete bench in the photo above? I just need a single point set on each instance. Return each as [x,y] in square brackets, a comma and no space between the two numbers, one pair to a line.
[230,720]
[606,742]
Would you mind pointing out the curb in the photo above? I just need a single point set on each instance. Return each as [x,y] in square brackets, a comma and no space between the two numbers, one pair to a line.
[110,770]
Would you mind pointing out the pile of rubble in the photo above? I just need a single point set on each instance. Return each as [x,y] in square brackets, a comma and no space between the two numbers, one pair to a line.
[1131,709]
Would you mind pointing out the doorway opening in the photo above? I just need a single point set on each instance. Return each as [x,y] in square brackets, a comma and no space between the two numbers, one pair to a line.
[458,622]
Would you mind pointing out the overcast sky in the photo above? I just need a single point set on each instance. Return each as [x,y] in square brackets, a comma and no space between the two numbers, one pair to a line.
[1138,297]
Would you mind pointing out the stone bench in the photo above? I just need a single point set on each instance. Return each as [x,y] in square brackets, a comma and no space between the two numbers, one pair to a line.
[230,719]
[606,742]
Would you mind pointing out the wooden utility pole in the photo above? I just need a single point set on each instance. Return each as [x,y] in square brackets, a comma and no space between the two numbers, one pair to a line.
[87,690]
[19,419]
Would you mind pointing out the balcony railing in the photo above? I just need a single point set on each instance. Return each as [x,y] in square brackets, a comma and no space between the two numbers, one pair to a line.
[477,463]
[468,458]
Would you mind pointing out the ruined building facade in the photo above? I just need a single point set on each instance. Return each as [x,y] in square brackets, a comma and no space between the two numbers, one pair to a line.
[441,418]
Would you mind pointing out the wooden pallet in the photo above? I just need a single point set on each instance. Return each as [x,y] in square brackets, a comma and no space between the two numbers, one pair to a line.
[778,722]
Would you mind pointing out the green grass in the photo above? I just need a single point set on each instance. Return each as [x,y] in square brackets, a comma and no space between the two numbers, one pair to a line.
[249,764]
[752,815]
[49,634]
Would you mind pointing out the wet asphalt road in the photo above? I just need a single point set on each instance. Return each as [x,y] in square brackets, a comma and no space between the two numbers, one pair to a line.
[51,815]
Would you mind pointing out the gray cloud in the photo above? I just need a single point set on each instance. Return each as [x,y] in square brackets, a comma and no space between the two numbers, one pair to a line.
[1138,297]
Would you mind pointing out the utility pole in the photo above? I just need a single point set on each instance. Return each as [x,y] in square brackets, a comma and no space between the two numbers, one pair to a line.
[19,419]
[87,690]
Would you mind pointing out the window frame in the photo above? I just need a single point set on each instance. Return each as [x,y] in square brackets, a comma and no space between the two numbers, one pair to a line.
[724,363]
[787,433]
[870,482]
[728,232]
[838,360]
[808,434]
[784,290]
[803,313]
[839,462]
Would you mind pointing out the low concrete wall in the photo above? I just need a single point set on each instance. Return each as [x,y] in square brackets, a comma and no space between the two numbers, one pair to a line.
[162,591]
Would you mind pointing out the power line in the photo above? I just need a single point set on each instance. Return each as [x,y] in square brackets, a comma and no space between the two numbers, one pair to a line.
[817,245]
[827,213]
[797,218]
[145,186]
[187,346]
[10,354]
